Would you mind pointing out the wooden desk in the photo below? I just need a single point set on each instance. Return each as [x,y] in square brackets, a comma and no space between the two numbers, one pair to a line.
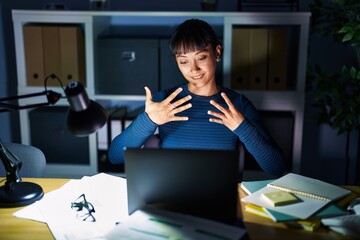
[258,228]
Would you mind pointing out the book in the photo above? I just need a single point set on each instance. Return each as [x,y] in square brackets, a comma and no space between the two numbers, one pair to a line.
[308,187]
[304,209]
[252,186]
[280,198]
[307,225]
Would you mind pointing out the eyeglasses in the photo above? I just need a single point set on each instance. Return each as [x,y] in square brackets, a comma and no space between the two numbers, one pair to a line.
[84,209]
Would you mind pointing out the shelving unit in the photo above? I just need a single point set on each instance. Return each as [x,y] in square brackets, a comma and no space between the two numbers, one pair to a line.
[98,24]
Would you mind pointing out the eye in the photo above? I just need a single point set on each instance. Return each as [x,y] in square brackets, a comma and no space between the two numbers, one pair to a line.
[203,57]
[182,62]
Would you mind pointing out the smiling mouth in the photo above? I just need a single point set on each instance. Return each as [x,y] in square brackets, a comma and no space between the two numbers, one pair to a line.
[198,76]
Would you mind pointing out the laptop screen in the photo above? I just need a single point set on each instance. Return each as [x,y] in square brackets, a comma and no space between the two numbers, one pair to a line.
[201,183]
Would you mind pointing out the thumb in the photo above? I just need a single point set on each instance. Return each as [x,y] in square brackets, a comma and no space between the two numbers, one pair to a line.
[148,97]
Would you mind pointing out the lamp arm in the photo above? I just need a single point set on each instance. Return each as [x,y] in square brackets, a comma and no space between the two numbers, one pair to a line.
[12,166]
[52,98]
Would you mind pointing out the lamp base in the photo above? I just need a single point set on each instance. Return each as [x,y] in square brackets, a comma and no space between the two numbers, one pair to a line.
[22,194]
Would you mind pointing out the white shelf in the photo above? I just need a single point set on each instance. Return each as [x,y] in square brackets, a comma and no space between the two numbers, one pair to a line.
[94,23]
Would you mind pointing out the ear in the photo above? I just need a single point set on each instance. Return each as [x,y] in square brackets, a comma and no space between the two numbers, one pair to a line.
[218,50]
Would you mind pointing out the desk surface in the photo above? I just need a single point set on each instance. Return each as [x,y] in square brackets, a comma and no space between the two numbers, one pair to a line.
[258,228]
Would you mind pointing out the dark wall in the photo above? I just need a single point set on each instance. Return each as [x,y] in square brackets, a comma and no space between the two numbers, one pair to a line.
[323,150]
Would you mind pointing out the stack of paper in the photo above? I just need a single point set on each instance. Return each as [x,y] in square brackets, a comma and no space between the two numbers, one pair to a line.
[106,194]
[306,213]
[156,224]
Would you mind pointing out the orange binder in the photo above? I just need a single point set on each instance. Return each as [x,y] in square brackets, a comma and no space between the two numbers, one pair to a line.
[240,61]
[72,54]
[34,61]
[51,52]
[258,58]
[278,50]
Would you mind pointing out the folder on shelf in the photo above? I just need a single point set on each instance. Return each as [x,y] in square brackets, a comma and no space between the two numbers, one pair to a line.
[278,49]
[102,134]
[51,40]
[116,123]
[240,58]
[34,60]
[72,53]
[258,58]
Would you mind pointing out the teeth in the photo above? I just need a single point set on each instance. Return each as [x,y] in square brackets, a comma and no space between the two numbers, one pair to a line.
[197,77]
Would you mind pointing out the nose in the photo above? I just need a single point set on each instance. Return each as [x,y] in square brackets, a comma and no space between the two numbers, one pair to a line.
[194,67]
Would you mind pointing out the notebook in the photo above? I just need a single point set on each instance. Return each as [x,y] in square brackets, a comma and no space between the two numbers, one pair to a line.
[314,195]
[309,187]
[202,183]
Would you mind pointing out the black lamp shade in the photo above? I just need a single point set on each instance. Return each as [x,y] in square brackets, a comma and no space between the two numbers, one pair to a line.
[84,115]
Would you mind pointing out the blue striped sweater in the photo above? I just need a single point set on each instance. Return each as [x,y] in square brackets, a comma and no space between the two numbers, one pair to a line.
[199,133]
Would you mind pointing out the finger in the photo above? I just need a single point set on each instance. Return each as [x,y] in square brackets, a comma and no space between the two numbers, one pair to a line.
[177,118]
[216,120]
[148,97]
[181,101]
[227,100]
[181,109]
[216,114]
[172,95]
[218,106]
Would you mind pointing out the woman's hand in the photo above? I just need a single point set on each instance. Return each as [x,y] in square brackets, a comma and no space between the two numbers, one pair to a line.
[163,112]
[230,117]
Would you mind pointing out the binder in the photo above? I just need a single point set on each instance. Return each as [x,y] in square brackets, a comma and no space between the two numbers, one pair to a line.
[72,53]
[112,128]
[258,58]
[116,123]
[278,51]
[240,59]
[34,61]
[102,134]
[52,52]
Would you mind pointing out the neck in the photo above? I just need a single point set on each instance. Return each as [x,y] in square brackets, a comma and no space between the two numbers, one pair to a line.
[204,91]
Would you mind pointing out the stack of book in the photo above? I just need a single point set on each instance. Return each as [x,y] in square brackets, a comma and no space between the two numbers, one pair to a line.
[294,199]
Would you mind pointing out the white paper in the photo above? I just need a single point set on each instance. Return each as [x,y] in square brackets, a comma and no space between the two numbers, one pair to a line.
[155,224]
[106,193]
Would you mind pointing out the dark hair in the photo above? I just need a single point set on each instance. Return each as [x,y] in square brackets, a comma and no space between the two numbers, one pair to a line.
[192,35]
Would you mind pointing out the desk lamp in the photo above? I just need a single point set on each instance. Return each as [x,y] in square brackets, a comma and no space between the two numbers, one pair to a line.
[84,117]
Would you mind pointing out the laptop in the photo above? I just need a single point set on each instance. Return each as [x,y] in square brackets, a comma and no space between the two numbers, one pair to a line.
[201,183]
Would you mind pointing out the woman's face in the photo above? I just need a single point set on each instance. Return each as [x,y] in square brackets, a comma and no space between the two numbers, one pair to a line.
[199,67]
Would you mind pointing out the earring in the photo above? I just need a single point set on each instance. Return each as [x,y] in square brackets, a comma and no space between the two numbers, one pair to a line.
[218,59]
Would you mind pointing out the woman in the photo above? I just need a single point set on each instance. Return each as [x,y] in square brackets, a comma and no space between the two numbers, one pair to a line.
[200,114]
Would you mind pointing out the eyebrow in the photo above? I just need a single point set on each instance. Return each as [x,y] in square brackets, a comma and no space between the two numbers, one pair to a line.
[198,52]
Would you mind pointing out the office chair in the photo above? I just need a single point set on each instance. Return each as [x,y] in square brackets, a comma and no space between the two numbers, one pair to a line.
[34,161]
[154,142]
